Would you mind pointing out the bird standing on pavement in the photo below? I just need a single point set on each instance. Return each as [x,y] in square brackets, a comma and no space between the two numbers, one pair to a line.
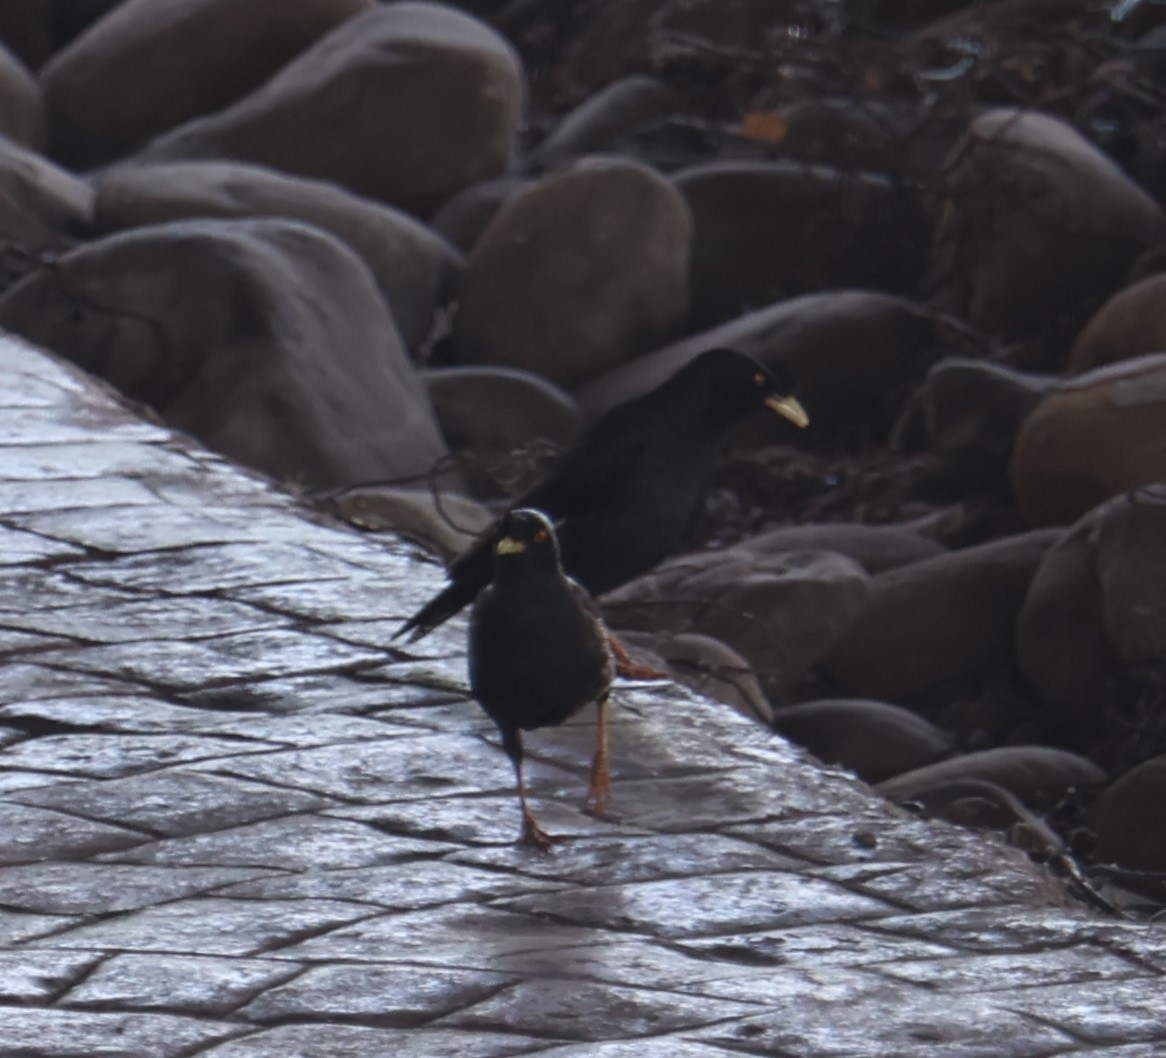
[624,498]
[538,651]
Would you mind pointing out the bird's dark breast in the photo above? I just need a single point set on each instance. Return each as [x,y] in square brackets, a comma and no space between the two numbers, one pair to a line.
[535,665]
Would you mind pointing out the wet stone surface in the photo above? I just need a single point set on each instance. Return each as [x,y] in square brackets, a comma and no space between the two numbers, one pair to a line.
[237,824]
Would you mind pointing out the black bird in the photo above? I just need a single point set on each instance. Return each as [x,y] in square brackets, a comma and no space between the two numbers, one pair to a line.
[538,651]
[624,498]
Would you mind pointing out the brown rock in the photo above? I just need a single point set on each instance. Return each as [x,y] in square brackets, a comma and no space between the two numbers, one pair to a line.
[973,410]
[414,267]
[1061,645]
[1039,775]
[875,740]
[40,204]
[22,116]
[874,547]
[1127,815]
[444,523]
[149,65]
[943,619]
[846,349]
[1130,324]
[501,408]
[1032,221]
[464,217]
[603,119]
[1092,438]
[408,103]
[577,275]
[781,612]
[265,339]
[705,664]
[765,231]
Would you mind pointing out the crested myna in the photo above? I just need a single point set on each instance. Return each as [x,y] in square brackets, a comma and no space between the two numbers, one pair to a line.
[538,650]
[625,497]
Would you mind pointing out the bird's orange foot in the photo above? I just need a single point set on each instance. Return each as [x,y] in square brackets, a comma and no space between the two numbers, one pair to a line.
[628,669]
[599,790]
[535,836]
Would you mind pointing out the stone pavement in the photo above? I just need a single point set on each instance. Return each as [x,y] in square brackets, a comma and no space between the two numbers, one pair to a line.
[236,823]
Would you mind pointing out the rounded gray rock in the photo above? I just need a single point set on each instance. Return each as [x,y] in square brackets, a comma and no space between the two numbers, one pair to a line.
[266,339]
[408,103]
[152,64]
[584,271]
[414,267]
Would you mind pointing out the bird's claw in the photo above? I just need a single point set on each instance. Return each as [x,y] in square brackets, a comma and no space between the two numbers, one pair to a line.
[534,836]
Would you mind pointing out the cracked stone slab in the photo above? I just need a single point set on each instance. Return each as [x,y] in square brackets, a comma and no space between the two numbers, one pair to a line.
[18,547]
[39,976]
[403,768]
[402,887]
[104,888]
[179,984]
[32,834]
[351,1041]
[71,1034]
[212,926]
[46,426]
[571,1010]
[17,926]
[293,843]
[456,935]
[728,902]
[109,755]
[146,619]
[216,567]
[50,589]
[174,802]
[891,1023]
[181,664]
[47,462]
[612,861]
[107,493]
[390,996]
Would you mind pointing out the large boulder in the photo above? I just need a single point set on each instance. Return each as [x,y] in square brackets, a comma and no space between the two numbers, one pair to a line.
[848,350]
[584,271]
[1032,221]
[463,218]
[875,740]
[266,339]
[973,410]
[1096,608]
[1131,323]
[781,611]
[1040,776]
[765,231]
[874,547]
[408,103]
[937,622]
[22,117]
[152,64]
[603,119]
[26,29]
[415,268]
[1093,437]
[40,204]
[1127,833]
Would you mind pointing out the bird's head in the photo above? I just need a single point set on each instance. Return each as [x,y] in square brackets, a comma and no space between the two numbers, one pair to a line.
[526,538]
[730,384]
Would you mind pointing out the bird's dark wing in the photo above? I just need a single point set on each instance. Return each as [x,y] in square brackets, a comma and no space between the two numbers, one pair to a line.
[594,473]
[468,575]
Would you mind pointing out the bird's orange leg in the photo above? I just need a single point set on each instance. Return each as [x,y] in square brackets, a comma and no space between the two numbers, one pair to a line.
[628,669]
[599,789]
[532,833]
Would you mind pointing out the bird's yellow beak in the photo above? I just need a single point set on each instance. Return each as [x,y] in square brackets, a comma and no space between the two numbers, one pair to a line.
[789,408]
[509,546]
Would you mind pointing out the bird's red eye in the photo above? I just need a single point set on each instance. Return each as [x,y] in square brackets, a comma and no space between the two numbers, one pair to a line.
[759,379]
[540,537]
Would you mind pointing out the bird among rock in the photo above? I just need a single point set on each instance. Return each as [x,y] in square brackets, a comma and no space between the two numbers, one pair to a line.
[538,651]
[624,498]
